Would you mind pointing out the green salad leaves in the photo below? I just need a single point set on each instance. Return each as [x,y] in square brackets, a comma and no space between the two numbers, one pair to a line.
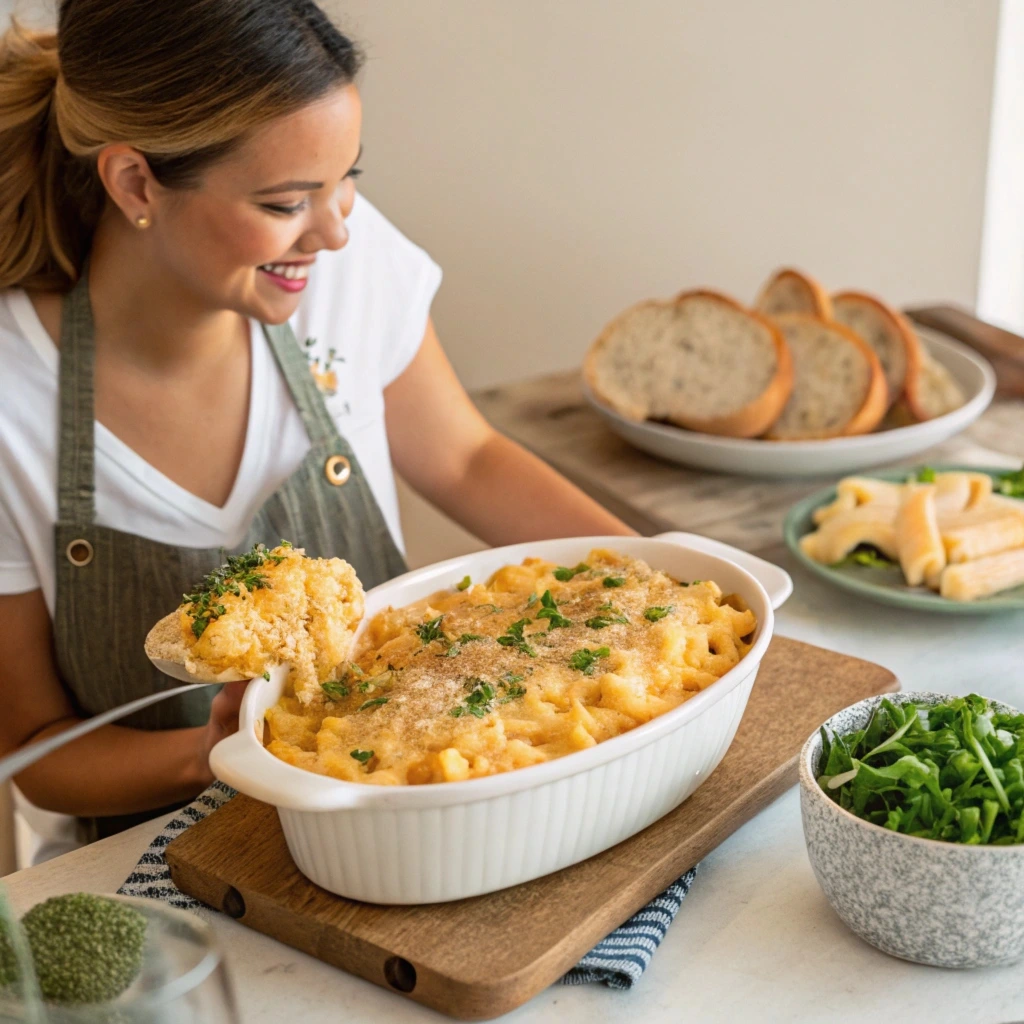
[937,771]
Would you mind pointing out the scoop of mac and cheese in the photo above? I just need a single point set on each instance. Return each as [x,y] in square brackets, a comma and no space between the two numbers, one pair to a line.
[265,608]
[537,662]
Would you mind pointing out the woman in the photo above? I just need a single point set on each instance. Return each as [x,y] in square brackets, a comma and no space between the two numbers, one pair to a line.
[175,212]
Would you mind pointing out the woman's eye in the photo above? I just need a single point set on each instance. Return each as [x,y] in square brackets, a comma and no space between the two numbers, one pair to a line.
[277,208]
[355,172]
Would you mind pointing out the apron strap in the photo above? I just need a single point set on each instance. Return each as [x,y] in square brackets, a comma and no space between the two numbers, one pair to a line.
[76,489]
[308,399]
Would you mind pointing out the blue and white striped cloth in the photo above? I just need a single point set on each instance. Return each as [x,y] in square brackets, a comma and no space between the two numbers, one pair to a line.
[617,961]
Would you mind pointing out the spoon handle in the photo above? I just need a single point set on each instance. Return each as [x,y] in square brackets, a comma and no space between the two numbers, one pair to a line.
[21,759]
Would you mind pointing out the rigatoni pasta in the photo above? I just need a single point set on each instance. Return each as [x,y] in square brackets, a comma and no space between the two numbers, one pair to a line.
[947,531]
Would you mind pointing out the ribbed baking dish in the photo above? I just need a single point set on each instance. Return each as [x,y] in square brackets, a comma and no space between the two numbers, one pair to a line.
[429,844]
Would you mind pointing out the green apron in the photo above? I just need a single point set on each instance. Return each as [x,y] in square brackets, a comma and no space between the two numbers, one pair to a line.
[113,586]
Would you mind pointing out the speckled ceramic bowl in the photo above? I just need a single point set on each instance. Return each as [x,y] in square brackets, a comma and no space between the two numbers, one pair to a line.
[924,900]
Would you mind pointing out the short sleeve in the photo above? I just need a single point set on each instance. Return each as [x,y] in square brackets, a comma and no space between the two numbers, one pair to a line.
[404,279]
[17,571]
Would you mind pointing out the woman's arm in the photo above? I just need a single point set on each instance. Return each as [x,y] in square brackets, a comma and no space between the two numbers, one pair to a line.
[490,485]
[114,770]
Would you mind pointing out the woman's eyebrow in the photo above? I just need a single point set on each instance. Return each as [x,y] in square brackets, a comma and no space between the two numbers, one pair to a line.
[290,186]
[300,186]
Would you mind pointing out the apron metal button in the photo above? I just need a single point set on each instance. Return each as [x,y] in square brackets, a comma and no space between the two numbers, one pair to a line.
[337,469]
[79,552]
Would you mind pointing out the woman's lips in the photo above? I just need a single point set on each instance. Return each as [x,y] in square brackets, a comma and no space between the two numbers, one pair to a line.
[290,277]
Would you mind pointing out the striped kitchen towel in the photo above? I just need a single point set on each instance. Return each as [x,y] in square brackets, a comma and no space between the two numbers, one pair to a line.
[617,961]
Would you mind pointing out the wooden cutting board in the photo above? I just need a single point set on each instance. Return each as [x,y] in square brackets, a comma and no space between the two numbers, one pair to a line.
[481,957]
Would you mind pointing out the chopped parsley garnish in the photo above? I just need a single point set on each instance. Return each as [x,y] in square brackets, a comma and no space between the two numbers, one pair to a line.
[531,600]
[926,475]
[513,637]
[549,610]
[563,575]
[362,756]
[266,675]
[455,649]
[512,677]
[483,697]
[430,630]
[600,621]
[658,612]
[586,659]
[239,571]
[868,556]
[479,702]
[495,608]
[372,703]
[335,691]
[949,771]
[464,584]
[1012,484]
[614,581]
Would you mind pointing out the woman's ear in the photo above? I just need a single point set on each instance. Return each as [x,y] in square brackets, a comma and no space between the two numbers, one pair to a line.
[129,182]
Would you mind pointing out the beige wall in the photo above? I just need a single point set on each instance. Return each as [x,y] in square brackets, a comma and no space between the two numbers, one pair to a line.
[562,160]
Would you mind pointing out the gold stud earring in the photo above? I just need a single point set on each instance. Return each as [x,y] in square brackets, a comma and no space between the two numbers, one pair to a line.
[142,221]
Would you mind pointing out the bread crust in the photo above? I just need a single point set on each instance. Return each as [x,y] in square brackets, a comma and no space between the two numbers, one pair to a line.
[911,346]
[875,401]
[751,420]
[819,295]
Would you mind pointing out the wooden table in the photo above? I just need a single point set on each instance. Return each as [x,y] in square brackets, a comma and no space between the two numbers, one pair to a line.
[549,416]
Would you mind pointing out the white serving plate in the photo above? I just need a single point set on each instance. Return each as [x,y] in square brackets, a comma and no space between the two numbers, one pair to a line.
[839,455]
[427,844]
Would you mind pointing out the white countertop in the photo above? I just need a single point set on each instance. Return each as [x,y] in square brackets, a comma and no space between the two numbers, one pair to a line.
[755,939]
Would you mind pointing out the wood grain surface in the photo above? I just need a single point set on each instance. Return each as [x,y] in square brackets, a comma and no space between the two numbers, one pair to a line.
[476,959]
[550,416]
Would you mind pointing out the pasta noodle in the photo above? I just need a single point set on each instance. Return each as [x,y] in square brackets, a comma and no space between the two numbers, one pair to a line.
[921,553]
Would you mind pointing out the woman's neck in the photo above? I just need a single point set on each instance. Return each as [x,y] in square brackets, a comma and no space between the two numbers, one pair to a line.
[142,314]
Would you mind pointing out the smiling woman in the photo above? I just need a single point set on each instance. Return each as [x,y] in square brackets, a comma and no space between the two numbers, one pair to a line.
[177,210]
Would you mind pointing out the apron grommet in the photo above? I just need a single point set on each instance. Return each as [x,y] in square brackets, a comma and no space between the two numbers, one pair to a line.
[337,469]
[79,552]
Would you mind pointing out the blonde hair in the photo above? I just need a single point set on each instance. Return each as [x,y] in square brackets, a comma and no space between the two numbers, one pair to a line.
[182,82]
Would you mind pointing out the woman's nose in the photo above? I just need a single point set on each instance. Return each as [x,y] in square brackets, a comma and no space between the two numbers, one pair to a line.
[329,232]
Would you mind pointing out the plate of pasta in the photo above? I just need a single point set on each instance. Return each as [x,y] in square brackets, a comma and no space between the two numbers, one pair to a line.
[944,539]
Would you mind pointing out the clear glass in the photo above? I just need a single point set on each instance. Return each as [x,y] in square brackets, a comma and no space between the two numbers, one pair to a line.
[183,979]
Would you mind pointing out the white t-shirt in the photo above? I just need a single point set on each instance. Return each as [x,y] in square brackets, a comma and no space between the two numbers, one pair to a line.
[365,307]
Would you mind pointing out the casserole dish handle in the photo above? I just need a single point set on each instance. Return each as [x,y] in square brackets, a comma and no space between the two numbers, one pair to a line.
[777,582]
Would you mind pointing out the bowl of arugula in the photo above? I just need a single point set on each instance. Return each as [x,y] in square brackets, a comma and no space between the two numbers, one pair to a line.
[913,814]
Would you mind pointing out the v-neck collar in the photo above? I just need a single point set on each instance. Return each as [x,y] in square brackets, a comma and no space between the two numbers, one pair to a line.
[110,446]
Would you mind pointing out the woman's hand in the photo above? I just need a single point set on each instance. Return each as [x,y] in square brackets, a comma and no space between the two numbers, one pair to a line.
[223,722]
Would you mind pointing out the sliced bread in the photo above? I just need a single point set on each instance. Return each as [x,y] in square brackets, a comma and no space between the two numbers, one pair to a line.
[838,387]
[932,391]
[699,361]
[793,291]
[887,332]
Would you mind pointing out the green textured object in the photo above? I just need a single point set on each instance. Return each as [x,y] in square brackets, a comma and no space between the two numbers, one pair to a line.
[86,948]
[887,585]
[8,960]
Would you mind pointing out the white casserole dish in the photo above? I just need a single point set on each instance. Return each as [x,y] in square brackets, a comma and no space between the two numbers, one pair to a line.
[428,844]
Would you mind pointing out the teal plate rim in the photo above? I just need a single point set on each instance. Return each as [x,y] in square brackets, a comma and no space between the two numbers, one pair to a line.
[885,585]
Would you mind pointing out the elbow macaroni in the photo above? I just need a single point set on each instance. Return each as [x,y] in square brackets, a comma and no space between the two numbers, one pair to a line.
[953,535]
[524,668]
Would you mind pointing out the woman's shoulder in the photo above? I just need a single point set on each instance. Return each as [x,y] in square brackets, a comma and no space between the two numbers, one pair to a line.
[26,343]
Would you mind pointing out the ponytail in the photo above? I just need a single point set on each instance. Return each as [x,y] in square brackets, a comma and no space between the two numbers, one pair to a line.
[42,229]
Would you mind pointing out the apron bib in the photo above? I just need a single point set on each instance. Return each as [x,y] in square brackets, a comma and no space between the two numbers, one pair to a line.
[113,586]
